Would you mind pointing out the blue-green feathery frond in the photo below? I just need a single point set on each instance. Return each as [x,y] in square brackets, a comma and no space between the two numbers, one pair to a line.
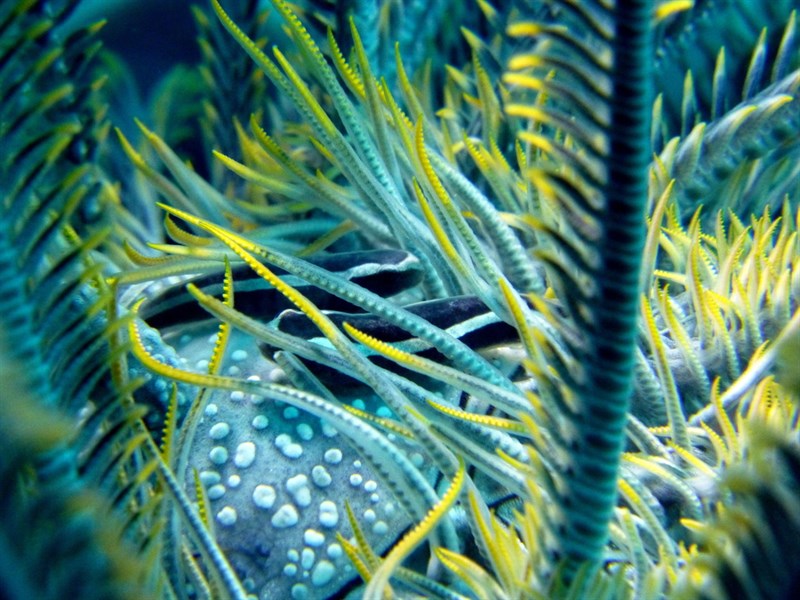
[751,550]
[522,202]
[606,391]
[235,91]
[610,61]
[720,79]
[77,484]
[740,140]
[417,28]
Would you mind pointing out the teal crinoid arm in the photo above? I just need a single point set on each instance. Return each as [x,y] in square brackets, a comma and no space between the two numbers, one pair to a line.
[606,393]
[463,399]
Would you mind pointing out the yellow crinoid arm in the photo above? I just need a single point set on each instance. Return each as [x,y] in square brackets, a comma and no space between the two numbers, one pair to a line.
[514,303]
[243,248]
[182,236]
[472,574]
[363,550]
[675,416]
[139,350]
[167,446]
[224,330]
[386,424]
[439,232]
[399,356]
[352,552]
[380,580]
[347,72]
[142,260]
[509,425]
[203,502]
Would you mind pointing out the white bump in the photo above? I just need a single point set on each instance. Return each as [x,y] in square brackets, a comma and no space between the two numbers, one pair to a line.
[216,491]
[374,498]
[296,482]
[212,339]
[233,370]
[219,431]
[211,410]
[239,355]
[237,395]
[333,456]
[356,479]
[369,515]
[335,551]
[329,430]
[313,538]
[254,378]
[264,496]
[388,509]
[380,528]
[299,591]
[227,516]
[328,514]
[292,450]
[359,404]
[277,375]
[384,412]
[307,558]
[293,555]
[218,455]
[290,412]
[260,422]
[209,478]
[298,488]
[370,485]
[320,476]
[282,440]
[305,432]
[234,481]
[290,569]
[356,464]
[323,573]
[417,459]
[285,516]
[201,365]
[245,455]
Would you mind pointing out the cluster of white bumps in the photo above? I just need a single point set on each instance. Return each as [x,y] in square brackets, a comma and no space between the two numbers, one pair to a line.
[277,480]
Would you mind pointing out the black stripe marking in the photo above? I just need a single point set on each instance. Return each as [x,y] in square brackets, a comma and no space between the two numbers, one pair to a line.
[384,272]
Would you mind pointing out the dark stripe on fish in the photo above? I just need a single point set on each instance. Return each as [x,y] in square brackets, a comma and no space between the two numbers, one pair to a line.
[384,272]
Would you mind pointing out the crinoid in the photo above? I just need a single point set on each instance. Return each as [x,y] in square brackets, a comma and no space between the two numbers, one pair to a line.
[518,321]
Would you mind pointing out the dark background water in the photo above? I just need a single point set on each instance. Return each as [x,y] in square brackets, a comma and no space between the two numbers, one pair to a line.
[151,35]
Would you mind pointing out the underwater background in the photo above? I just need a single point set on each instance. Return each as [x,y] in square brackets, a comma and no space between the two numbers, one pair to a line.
[399,299]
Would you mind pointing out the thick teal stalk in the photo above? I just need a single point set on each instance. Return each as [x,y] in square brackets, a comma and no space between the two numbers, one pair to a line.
[605,399]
